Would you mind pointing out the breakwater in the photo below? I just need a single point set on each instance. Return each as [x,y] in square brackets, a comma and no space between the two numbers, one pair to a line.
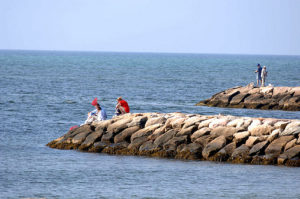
[266,98]
[190,136]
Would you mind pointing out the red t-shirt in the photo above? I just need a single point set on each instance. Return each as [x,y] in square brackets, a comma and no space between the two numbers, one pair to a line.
[124,104]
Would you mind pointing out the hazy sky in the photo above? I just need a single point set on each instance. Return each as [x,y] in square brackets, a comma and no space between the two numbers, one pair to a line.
[191,26]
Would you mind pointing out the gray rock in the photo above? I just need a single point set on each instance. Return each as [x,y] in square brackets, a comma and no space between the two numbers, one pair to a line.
[136,143]
[291,129]
[164,138]
[227,132]
[193,120]
[290,144]
[241,151]
[261,130]
[126,134]
[191,151]
[214,146]
[200,132]
[139,121]
[273,135]
[228,149]
[187,131]
[91,138]
[276,147]
[119,125]
[281,125]
[239,98]
[205,123]
[155,121]
[98,146]
[74,132]
[240,137]
[147,146]
[145,131]
[157,133]
[79,138]
[107,137]
[177,123]
[252,140]
[289,154]
[257,148]
[174,142]
[102,125]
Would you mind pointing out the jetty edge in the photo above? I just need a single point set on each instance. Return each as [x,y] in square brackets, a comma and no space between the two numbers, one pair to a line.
[266,98]
[222,138]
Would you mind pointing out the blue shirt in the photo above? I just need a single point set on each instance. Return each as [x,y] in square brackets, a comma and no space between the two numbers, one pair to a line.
[102,115]
[259,70]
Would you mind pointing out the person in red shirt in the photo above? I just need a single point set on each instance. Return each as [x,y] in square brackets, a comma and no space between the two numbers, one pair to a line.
[122,106]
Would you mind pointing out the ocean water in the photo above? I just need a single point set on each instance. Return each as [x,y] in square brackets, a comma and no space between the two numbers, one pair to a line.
[44,93]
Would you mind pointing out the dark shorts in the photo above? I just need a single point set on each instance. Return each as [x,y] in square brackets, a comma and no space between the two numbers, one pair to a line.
[258,77]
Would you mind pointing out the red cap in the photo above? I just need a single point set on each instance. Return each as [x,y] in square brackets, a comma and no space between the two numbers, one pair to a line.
[94,102]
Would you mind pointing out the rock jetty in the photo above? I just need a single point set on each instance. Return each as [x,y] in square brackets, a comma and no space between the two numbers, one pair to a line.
[191,136]
[266,98]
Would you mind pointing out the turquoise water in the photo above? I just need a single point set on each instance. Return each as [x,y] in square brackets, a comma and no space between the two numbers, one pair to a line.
[44,93]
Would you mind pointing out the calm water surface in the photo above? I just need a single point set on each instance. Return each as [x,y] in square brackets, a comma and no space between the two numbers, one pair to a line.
[43,94]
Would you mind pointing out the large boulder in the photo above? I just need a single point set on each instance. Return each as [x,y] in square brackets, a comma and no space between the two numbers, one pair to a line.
[119,125]
[261,130]
[241,136]
[145,131]
[187,131]
[214,146]
[157,133]
[90,139]
[276,147]
[240,153]
[155,120]
[252,140]
[192,121]
[289,154]
[139,121]
[101,125]
[80,137]
[126,134]
[219,122]
[292,128]
[290,144]
[190,151]
[164,138]
[273,135]
[236,122]
[227,132]
[205,123]
[136,143]
[200,132]
[258,148]
[177,123]
[174,142]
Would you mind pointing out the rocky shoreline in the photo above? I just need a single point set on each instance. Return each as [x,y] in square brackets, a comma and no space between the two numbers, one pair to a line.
[266,98]
[190,136]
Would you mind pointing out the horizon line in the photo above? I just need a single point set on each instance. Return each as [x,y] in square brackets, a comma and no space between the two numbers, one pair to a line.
[150,52]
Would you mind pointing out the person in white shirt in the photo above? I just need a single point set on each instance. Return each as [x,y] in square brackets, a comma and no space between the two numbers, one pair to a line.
[99,114]
[264,74]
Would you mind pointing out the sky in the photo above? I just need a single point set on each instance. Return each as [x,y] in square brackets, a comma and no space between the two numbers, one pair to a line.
[179,26]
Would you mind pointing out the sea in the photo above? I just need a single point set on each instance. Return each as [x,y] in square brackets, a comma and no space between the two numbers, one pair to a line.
[44,93]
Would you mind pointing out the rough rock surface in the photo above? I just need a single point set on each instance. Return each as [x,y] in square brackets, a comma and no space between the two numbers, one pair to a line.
[191,136]
[267,98]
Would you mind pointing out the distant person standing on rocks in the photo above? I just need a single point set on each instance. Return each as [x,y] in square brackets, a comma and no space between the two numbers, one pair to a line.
[264,74]
[258,74]
[122,106]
